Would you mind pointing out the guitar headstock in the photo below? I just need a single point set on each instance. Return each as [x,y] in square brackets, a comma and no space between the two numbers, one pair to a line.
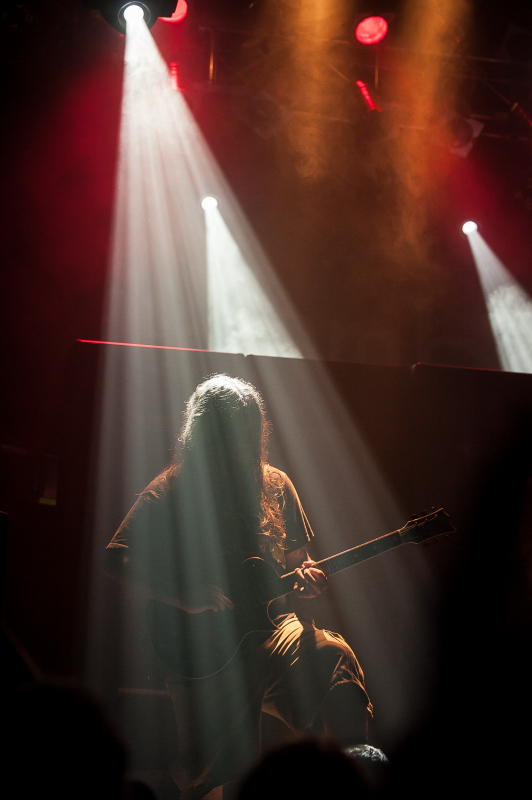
[420,529]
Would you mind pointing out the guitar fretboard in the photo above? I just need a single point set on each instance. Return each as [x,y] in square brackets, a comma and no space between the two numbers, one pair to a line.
[341,561]
[333,564]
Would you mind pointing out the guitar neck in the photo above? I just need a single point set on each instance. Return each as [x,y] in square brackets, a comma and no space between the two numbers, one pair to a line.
[363,552]
[333,564]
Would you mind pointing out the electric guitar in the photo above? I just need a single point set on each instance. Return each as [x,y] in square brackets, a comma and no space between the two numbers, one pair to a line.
[197,646]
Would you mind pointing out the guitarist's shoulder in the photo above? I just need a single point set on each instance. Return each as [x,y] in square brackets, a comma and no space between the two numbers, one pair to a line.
[278,478]
[160,486]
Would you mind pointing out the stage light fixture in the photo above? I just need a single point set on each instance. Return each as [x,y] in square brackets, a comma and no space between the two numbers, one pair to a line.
[115,12]
[208,203]
[517,44]
[133,12]
[461,134]
[371,30]
[469,227]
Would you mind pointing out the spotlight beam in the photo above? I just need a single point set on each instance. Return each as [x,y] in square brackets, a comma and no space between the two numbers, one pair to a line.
[241,317]
[173,263]
[509,307]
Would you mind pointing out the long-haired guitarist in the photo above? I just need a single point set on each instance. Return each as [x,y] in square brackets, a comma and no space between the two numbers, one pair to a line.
[182,545]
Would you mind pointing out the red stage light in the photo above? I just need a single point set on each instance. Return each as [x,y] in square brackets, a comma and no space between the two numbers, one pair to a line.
[179,13]
[174,75]
[366,95]
[371,30]
[135,344]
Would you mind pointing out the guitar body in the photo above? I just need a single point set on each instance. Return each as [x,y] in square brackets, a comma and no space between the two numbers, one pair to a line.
[195,646]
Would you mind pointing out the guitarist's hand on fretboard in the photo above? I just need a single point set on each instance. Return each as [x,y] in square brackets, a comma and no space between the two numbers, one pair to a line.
[311,580]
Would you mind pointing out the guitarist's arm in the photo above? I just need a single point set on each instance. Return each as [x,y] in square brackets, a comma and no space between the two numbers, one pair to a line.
[119,569]
[137,556]
[211,597]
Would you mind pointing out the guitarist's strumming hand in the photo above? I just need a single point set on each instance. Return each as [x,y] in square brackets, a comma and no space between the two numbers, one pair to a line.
[212,598]
[311,581]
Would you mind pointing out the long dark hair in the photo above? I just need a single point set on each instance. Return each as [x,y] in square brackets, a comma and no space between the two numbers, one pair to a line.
[224,441]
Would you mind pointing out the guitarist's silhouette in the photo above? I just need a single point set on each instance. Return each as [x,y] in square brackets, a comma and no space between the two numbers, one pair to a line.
[182,546]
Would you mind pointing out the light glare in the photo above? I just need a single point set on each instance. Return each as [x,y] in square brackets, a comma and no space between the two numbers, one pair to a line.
[469,227]
[133,12]
[209,202]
